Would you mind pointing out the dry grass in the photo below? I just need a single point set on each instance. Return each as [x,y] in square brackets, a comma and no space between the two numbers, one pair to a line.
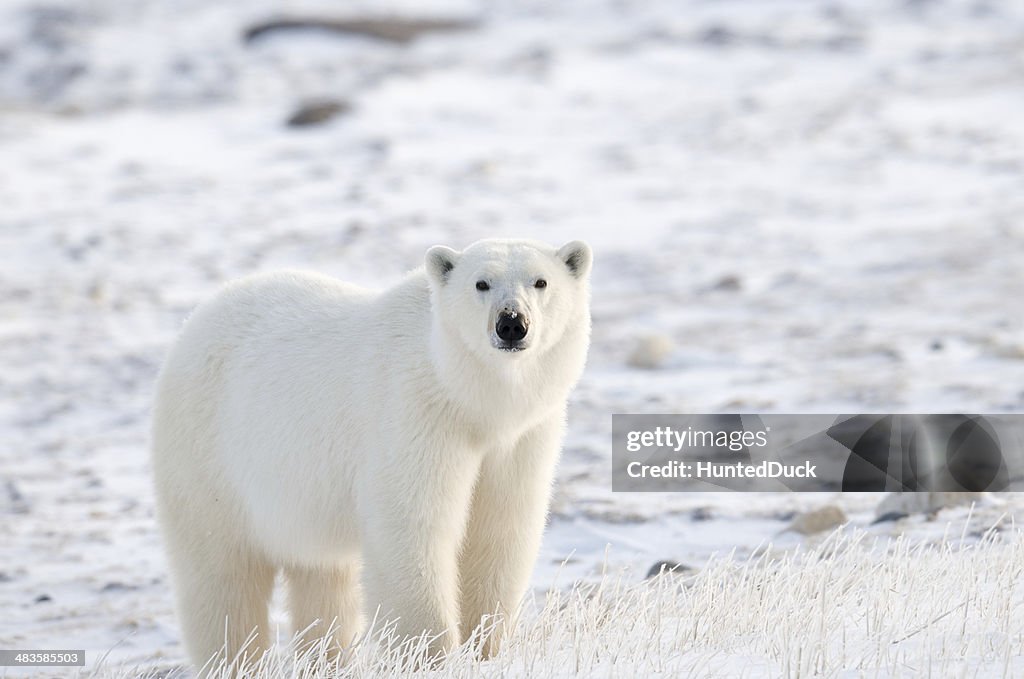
[853,606]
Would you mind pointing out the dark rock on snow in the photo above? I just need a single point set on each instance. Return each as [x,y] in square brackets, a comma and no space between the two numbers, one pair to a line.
[317,112]
[398,30]
[662,567]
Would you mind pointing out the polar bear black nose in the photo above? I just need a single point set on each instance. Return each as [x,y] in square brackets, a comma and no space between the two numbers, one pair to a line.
[511,326]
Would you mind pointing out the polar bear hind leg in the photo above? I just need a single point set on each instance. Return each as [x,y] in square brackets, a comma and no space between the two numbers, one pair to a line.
[223,594]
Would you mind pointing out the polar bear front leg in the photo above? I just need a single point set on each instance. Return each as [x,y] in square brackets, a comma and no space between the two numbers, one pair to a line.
[506,524]
[325,601]
[415,525]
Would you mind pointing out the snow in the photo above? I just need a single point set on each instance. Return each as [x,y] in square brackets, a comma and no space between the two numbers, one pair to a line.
[853,168]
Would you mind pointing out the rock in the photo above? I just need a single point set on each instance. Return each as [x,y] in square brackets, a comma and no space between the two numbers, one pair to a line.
[116,586]
[890,516]
[317,112]
[818,520]
[728,283]
[666,568]
[650,352]
[701,514]
[15,502]
[400,30]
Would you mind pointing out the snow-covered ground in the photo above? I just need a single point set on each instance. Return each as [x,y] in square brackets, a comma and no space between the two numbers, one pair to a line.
[819,206]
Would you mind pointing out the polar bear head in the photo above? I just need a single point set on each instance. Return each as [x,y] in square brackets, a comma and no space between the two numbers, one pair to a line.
[510,298]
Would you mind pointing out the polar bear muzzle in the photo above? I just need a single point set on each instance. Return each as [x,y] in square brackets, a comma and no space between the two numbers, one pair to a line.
[511,328]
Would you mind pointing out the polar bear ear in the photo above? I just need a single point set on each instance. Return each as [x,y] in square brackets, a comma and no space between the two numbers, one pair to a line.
[440,261]
[577,258]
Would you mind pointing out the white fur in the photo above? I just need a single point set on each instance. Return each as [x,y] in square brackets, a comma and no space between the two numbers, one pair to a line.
[348,436]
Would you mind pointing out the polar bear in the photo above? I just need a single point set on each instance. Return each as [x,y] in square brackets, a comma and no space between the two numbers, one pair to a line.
[391,452]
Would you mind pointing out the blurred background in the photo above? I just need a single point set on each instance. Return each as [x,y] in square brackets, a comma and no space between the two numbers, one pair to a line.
[795,207]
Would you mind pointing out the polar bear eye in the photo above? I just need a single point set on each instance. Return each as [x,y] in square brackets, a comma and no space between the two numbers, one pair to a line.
[541,283]
[482,286]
